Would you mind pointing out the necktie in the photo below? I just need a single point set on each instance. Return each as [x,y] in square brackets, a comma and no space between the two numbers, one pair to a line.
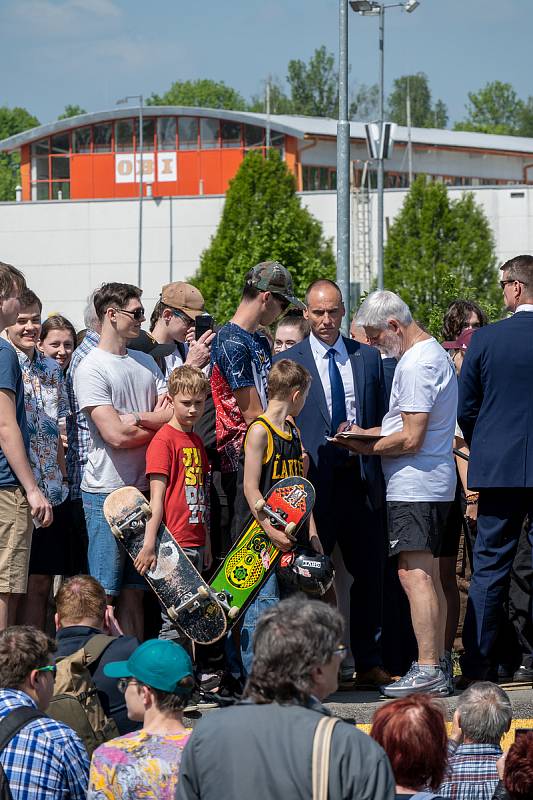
[338,399]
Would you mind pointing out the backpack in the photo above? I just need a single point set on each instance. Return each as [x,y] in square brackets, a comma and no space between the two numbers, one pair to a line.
[75,701]
[12,723]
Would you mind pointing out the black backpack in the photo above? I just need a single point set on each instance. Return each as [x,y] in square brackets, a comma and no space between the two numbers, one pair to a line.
[12,723]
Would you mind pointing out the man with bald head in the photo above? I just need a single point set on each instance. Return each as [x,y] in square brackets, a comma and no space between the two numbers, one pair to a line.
[347,384]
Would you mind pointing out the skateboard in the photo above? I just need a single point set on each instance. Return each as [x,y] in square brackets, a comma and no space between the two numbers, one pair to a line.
[253,556]
[190,603]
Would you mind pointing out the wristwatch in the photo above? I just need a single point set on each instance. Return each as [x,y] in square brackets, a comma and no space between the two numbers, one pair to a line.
[138,420]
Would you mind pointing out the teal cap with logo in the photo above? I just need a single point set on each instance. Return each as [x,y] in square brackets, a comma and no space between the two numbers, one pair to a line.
[159,663]
[271,276]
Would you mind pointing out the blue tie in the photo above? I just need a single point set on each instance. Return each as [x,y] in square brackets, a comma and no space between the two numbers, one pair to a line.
[338,399]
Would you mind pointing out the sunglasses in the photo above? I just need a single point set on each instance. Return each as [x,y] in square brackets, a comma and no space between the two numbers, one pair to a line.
[123,683]
[138,314]
[284,303]
[341,651]
[180,315]
[50,668]
[504,283]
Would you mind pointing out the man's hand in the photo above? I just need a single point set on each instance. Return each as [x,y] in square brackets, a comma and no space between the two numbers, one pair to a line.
[41,509]
[200,351]
[471,515]
[277,537]
[163,402]
[456,734]
[145,560]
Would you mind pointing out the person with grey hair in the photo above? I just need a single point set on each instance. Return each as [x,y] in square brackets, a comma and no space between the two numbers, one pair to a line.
[415,445]
[262,747]
[482,717]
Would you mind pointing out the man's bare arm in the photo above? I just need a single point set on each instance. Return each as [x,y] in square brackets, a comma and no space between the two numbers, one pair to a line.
[249,403]
[113,431]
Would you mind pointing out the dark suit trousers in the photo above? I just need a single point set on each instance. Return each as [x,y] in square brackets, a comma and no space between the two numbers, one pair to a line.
[500,517]
[346,516]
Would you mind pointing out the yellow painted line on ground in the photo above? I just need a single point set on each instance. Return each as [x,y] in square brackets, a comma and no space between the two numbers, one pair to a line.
[506,742]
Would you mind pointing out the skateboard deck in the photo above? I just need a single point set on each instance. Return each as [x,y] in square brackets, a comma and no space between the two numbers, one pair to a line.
[253,556]
[189,601]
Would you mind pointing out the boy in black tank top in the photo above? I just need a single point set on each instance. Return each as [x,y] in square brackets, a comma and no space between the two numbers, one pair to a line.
[272,450]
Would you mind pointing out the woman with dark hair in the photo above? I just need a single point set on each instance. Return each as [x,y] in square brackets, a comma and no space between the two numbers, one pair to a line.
[460,315]
[58,340]
[412,732]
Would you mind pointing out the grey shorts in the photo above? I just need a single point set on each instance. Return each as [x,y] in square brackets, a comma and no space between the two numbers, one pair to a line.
[416,526]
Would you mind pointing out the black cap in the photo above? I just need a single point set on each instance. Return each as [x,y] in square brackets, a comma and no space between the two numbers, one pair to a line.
[146,343]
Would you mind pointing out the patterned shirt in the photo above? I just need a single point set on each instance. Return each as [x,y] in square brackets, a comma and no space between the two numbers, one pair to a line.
[46,760]
[78,435]
[472,772]
[137,765]
[238,359]
[46,402]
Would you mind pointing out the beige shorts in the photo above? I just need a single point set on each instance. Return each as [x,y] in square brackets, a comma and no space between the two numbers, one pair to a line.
[15,540]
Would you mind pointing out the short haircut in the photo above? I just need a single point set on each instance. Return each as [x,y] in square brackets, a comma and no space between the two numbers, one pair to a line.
[520,268]
[22,648]
[90,317]
[11,279]
[321,282]
[57,323]
[486,712]
[287,377]
[457,316]
[157,313]
[295,319]
[412,732]
[168,701]
[518,769]
[380,306]
[290,640]
[188,380]
[81,597]
[249,292]
[114,295]
[28,298]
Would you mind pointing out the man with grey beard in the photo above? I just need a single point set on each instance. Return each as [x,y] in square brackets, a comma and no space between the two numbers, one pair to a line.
[415,445]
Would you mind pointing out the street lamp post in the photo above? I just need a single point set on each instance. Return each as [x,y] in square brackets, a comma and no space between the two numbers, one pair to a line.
[370,8]
[343,169]
[123,100]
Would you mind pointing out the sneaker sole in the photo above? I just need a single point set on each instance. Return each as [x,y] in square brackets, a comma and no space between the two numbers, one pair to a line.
[442,691]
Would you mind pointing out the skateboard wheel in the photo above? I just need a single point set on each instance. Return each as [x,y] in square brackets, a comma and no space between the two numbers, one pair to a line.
[117,532]
[203,591]
[290,528]
[260,504]
[233,612]
[172,614]
[145,509]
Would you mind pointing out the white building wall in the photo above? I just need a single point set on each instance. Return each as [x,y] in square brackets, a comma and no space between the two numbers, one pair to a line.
[67,248]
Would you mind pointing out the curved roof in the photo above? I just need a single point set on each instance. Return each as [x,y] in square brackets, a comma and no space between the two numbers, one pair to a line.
[298,126]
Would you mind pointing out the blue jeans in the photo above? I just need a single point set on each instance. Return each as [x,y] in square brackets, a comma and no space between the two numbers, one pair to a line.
[108,561]
[268,596]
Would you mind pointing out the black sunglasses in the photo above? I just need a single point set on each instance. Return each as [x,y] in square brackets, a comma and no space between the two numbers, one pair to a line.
[138,314]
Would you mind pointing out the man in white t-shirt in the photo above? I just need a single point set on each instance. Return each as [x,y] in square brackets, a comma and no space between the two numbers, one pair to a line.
[123,394]
[417,459]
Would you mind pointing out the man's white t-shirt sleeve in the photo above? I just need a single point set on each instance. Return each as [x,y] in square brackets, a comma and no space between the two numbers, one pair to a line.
[91,386]
[417,388]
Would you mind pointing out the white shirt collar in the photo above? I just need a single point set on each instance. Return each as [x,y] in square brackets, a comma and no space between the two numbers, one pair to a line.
[524,307]
[320,348]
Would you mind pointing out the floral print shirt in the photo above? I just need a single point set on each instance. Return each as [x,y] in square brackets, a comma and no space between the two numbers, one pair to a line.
[46,402]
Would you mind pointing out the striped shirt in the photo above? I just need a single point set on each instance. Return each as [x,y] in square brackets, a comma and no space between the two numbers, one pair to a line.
[472,772]
[46,760]
[78,435]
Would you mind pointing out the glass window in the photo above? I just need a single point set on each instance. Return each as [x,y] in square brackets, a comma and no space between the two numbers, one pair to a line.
[209,133]
[63,187]
[81,140]
[41,168]
[166,133]
[277,139]
[60,167]
[42,191]
[188,133]
[102,135]
[231,134]
[254,136]
[148,135]
[333,179]
[124,135]
[41,148]
[61,143]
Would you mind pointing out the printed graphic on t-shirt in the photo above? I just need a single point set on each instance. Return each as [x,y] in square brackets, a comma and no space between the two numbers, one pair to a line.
[194,484]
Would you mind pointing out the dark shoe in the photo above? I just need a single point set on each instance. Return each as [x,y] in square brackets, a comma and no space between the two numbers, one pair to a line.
[523,675]
[372,679]
[346,679]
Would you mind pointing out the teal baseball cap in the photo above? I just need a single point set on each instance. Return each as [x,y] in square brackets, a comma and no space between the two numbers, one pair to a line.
[159,663]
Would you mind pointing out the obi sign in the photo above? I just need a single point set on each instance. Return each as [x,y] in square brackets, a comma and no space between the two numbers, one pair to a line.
[162,168]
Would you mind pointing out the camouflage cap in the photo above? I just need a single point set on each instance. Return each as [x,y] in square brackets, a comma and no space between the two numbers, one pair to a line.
[271,276]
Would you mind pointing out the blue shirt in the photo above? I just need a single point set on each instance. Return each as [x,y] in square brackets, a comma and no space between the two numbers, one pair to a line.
[11,380]
[472,773]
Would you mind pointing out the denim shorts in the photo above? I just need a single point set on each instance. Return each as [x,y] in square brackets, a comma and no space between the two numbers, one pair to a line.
[108,561]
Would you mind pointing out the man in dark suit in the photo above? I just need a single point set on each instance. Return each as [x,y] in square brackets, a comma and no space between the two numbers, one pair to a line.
[495,416]
[348,385]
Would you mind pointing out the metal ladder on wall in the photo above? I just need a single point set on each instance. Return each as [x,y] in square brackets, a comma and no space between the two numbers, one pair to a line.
[361,230]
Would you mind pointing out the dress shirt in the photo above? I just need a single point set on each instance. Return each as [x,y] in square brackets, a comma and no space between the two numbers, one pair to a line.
[472,772]
[524,307]
[342,359]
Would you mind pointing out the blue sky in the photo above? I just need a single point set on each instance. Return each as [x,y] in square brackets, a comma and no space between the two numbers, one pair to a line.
[91,52]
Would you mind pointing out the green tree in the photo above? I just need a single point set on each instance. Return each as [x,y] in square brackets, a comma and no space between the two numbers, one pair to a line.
[423,114]
[12,121]
[525,126]
[314,86]
[262,220]
[365,101]
[433,238]
[203,93]
[496,108]
[72,111]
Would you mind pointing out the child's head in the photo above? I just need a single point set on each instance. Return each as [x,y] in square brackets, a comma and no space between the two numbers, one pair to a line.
[288,380]
[291,329]
[188,388]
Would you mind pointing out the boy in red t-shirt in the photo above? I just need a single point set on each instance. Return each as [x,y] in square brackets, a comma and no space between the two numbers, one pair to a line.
[177,467]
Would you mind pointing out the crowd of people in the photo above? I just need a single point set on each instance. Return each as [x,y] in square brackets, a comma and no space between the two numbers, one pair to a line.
[413,446]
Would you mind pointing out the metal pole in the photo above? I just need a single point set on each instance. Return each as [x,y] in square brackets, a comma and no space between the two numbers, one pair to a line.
[409,142]
[268,112]
[139,266]
[343,169]
[381,166]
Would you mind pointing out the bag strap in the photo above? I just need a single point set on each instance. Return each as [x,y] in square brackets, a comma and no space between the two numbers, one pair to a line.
[96,645]
[321,751]
[17,719]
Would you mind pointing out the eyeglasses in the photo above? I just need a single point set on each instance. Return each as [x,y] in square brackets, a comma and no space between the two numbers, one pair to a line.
[341,651]
[123,683]
[284,303]
[138,314]
[50,668]
[511,280]
[180,315]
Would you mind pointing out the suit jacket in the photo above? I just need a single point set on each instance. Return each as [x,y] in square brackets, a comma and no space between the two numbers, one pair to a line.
[495,410]
[314,421]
